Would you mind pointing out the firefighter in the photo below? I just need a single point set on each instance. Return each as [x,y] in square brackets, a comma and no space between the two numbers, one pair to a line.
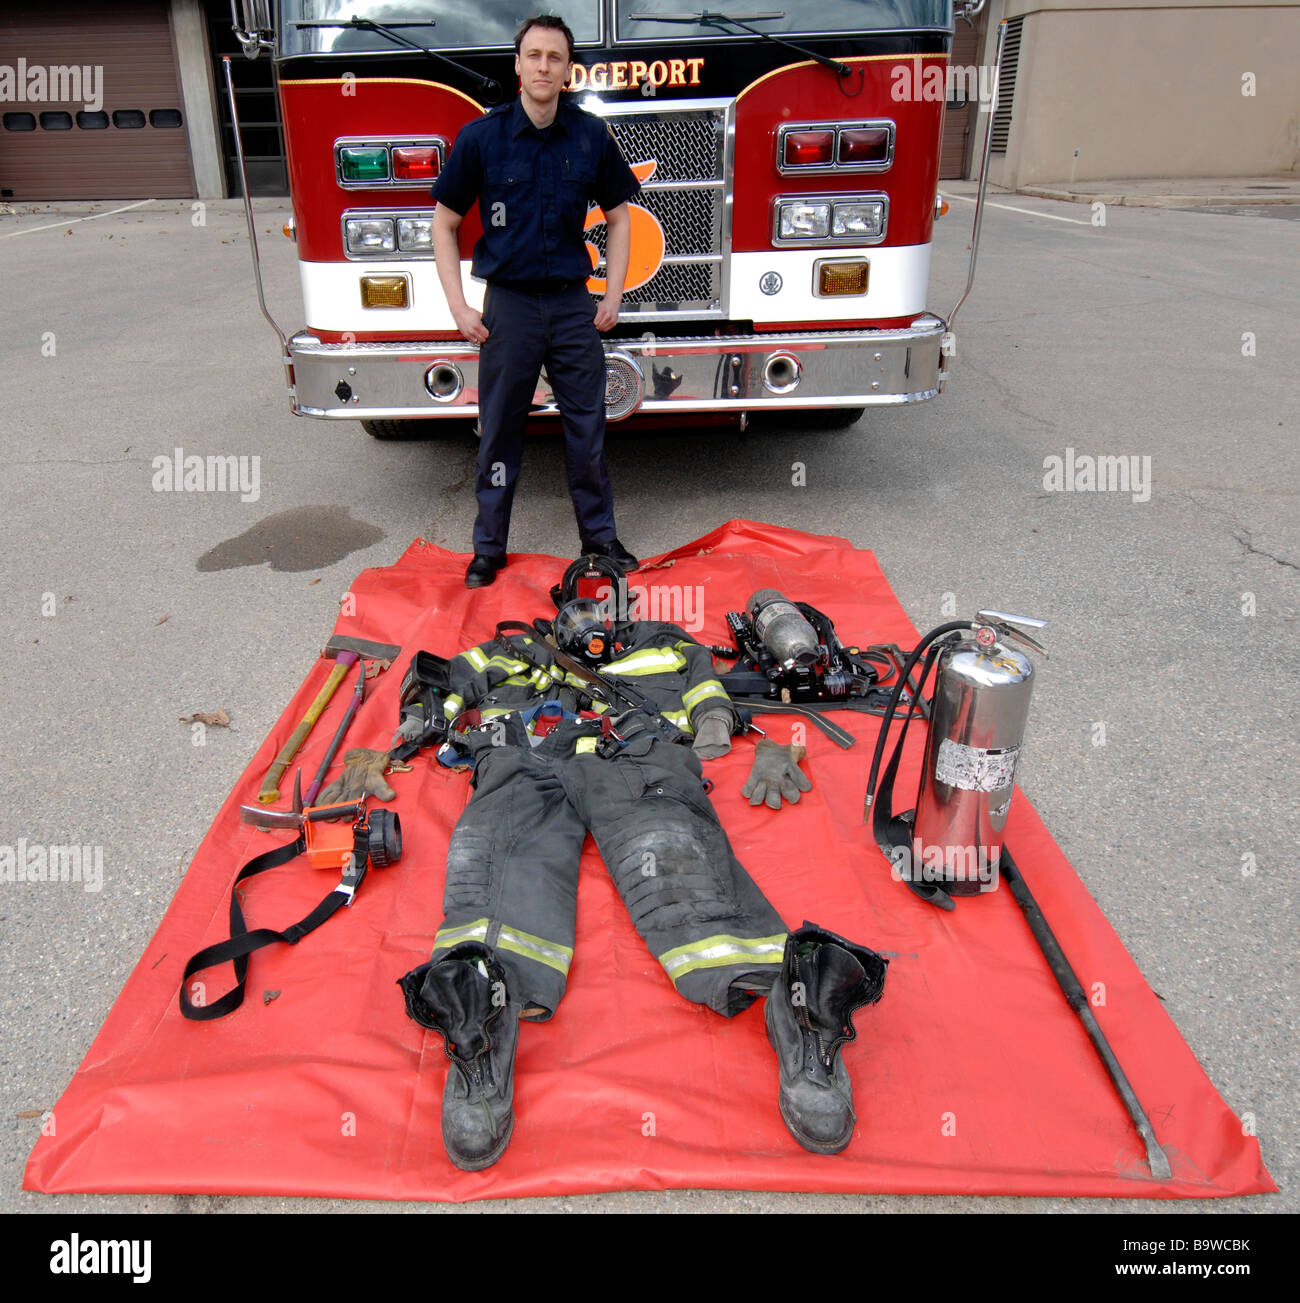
[533,166]
[505,944]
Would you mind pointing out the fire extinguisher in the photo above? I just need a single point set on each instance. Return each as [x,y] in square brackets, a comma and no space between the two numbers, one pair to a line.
[950,844]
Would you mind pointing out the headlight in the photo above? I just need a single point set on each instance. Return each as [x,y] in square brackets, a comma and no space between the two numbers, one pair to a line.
[370,235]
[414,233]
[804,221]
[864,220]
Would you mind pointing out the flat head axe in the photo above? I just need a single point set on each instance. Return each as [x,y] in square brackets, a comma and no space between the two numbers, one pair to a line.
[345,652]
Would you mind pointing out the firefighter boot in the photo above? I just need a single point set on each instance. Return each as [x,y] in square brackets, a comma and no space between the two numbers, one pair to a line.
[823,980]
[463,996]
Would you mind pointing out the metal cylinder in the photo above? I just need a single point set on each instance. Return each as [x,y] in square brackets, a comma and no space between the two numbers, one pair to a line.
[977,724]
[782,628]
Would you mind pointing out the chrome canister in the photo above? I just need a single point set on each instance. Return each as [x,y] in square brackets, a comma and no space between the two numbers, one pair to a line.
[977,725]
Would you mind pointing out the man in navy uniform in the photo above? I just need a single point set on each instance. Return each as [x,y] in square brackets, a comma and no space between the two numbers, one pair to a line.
[533,166]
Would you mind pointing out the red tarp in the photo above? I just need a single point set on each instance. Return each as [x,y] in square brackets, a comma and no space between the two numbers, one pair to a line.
[972,1075]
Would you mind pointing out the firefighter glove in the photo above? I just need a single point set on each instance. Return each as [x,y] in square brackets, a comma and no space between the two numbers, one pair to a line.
[412,727]
[712,735]
[775,774]
[363,775]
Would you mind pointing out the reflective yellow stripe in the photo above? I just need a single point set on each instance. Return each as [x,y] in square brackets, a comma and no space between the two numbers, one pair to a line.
[516,681]
[680,718]
[507,663]
[475,658]
[709,688]
[648,661]
[584,745]
[489,711]
[539,949]
[550,953]
[451,706]
[722,951]
[453,936]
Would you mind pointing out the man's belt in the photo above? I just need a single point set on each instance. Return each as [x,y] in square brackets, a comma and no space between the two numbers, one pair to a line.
[538,286]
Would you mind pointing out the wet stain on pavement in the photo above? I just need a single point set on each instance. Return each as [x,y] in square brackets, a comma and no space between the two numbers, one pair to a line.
[305,538]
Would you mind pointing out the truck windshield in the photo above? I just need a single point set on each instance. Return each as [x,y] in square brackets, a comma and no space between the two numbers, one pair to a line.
[458,24]
[784,18]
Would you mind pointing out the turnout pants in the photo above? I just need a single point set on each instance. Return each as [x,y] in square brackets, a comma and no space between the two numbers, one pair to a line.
[525,332]
[512,867]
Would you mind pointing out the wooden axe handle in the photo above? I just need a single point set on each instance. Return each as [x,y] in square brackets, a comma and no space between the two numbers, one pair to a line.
[271,783]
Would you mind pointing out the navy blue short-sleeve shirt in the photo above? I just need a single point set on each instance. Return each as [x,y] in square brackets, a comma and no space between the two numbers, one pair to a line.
[533,189]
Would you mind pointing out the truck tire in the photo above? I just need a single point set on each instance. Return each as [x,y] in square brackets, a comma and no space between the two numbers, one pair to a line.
[831,418]
[417,429]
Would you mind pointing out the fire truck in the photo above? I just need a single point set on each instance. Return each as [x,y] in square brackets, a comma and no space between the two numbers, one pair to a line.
[780,243]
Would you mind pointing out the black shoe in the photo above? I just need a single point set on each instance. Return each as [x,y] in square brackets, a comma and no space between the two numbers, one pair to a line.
[463,996]
[616,552]
[823,980]
[483,570]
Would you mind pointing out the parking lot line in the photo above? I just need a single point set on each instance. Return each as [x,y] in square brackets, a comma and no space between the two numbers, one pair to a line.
[27,230]
[1052,217]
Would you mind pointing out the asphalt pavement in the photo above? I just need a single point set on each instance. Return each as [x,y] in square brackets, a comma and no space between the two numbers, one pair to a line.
[1161,334]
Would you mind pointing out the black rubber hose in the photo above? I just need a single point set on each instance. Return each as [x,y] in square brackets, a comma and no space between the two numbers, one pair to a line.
[954,626]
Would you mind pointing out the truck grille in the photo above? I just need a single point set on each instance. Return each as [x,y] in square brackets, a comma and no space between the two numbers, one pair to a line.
[687,193]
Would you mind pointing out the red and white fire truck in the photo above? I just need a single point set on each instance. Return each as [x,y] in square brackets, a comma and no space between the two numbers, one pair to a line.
[780,243]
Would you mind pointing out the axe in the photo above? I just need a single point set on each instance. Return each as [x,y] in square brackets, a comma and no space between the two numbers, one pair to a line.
[345,652]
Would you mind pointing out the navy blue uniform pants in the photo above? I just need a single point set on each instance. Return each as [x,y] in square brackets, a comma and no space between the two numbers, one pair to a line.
[526,331]
[512,867]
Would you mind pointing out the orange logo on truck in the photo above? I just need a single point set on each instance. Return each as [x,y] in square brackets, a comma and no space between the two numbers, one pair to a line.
[647,243]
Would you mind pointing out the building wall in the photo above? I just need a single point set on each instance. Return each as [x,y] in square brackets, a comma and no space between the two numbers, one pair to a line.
[1149,89]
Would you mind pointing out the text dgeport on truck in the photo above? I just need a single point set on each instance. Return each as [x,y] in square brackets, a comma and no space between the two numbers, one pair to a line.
[780,244]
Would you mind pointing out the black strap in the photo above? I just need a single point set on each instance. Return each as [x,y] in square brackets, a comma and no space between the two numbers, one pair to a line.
[242,942]
[765,706]
[894,835]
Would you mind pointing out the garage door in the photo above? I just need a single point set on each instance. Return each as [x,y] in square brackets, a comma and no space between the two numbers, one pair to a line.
[90,103]
[960,113]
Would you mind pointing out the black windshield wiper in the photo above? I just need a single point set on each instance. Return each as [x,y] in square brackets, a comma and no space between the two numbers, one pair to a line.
[711,18]
[491,89]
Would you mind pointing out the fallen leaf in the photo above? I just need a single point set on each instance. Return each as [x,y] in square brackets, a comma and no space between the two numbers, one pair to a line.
[31,1113]
[661,565]
[316,580]
[159,620]
[219,719]
[375,668]
[268,996]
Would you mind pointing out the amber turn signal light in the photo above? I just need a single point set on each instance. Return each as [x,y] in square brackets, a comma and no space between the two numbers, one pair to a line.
[385,292]
[848,276]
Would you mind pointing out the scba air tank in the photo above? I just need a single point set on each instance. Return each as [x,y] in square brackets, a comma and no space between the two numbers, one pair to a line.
[977,723]
[783,629]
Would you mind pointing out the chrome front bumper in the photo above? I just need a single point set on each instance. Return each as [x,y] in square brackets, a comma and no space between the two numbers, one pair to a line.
[811,369]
